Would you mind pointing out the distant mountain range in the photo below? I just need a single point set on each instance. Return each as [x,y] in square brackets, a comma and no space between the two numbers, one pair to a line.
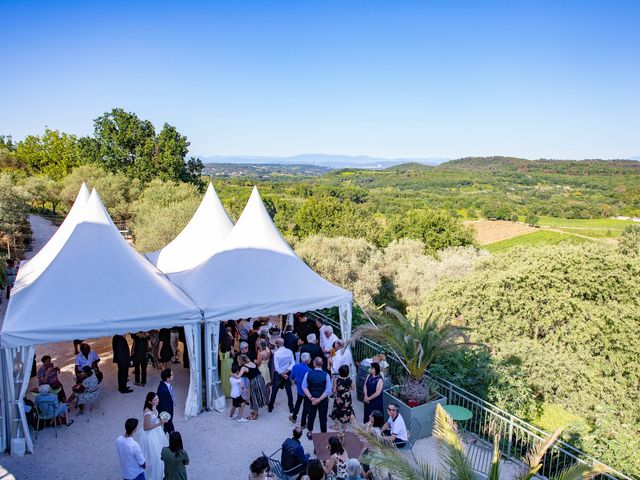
[323,160]
[637,159]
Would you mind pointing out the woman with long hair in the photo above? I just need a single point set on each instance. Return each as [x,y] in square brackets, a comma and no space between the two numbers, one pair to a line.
[257,388]
[152,438]
[175,458]
[336,465]
[259,469]
[262,361]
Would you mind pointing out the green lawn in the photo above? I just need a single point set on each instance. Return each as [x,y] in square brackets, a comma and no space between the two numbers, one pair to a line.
[537,239]
[592,227]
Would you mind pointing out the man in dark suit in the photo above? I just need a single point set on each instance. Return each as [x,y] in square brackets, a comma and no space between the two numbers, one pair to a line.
[293,459]
[122,358]
[139,357]
[304,327]
[291,340]
[314,350]
[165,397]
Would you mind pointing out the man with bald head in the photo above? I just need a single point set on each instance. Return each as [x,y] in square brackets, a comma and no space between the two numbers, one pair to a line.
[283,362]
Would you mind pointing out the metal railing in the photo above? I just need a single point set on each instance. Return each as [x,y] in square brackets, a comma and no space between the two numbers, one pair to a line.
[517,437]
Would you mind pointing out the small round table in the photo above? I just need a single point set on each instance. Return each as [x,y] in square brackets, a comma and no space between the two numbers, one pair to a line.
[458,413]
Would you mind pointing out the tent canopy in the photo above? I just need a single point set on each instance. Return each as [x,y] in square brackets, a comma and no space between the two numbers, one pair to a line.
[255,272]
[36,265]
[96,285]
[198,240]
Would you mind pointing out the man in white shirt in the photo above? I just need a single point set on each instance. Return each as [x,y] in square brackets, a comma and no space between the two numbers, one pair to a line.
[86,357]
[342,357]
[283,362]
[132,462]
[395,429]
[327,338]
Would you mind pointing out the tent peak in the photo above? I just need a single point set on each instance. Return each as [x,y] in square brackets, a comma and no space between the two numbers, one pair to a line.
[94,210]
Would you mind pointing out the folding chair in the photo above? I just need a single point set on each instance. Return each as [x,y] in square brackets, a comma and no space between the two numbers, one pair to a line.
[275,467]
[46,410]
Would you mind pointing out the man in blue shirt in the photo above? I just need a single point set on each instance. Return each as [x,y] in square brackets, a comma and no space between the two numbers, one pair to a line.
[293,459]
[317,389]
[297,374]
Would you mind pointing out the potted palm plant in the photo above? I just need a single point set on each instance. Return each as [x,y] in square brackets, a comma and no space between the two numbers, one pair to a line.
[415,344]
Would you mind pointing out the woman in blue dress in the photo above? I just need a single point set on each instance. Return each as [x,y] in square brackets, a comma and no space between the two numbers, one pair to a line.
[373,391]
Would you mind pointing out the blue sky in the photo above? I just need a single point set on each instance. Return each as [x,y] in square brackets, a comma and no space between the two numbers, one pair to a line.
[385,78]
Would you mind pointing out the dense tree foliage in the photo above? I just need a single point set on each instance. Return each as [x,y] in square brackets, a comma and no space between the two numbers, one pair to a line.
[122,142]
[562,323]
[116,190]
[629,242]
[13,215]
[436,230]
[53,154]
[354,264]
[161,212]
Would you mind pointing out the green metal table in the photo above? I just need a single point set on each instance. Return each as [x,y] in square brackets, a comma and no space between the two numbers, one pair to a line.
[458,413]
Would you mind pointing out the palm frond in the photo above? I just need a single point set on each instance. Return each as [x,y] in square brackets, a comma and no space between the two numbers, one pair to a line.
[494,470]
[417,342]
[579,472]
[381,454]
[536,454]
[450,446]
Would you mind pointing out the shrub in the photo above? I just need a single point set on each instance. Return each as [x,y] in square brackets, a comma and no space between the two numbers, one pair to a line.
[353,264]
[162,211]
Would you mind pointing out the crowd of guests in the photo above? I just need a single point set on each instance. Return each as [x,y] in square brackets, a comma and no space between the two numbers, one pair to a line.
[156,347]
[263,356]
[307,355]
[258,359]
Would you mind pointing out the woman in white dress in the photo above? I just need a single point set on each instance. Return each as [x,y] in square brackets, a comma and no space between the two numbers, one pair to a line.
[152,439]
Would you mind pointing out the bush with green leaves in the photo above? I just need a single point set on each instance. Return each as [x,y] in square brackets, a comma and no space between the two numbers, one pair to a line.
[161,212]
[562,323]
[629,241]
[435,229]
[13,215]
[409,273]
[116,190]
[351,263]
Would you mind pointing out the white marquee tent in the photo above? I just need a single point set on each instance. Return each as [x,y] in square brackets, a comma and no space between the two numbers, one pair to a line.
[256,273]
[198,240]
[111,288]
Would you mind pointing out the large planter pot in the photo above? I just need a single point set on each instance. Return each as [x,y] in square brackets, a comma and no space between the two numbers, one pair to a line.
[425,413]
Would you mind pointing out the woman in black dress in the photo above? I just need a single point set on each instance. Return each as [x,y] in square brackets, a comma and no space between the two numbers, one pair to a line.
[373,385]
[166,352]
[342,403]
[257,388]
